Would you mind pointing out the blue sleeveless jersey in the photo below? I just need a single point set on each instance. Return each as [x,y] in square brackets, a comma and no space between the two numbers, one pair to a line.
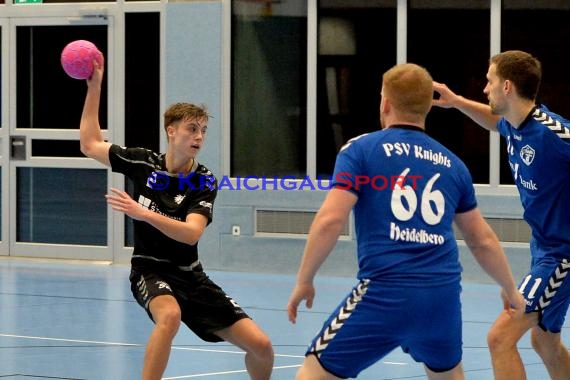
[409,189]
[539,157]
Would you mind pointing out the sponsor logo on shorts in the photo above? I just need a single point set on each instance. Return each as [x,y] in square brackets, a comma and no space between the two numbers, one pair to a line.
[163,285]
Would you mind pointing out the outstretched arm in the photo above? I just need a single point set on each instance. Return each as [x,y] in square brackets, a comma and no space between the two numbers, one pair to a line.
[323,235]
[478,112]
[91,141]
[485,247]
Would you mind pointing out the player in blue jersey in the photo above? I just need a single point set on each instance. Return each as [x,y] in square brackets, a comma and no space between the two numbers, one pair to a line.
[538,148]
[406,190]
[172,206]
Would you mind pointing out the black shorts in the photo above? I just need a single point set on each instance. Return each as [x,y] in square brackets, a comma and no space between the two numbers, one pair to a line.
[205,306]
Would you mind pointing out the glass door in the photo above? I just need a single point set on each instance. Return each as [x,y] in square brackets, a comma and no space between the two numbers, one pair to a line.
[4,107]
[55,206]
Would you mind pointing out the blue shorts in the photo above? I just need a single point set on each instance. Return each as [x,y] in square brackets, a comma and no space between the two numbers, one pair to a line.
[546,289]
[375,319]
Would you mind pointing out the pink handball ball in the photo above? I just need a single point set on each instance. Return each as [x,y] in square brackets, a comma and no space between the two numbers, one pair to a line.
[77,58]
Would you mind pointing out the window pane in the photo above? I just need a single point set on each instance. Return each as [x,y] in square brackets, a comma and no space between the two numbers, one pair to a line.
[56,148]
[459,60]
[1,63]
[1,202]
[62,206]
[544,42]
[356,45]
[269,85]
[143,124]
[60,1]
[47,97]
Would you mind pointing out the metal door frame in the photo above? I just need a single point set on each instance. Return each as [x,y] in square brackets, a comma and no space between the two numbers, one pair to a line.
[38,250]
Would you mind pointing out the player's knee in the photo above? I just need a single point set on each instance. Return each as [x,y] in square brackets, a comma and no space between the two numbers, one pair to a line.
[495,340]
[263,348]
[499,340]
[169,319]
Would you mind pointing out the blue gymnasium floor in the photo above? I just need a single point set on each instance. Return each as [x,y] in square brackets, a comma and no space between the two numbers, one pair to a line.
[79,321]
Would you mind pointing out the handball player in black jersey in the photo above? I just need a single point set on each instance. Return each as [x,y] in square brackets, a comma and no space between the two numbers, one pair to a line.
[171,207]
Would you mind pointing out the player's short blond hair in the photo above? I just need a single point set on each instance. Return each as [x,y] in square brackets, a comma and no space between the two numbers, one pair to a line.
[409,87]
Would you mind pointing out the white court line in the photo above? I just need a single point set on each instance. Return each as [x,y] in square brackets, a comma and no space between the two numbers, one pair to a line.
[135,345]
[173,347]
[223,373]
[244,371]
[233,352]
[70,340]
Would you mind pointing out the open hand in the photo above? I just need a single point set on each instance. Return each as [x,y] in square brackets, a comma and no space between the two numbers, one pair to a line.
[305,291]
[121,201]
[447,98]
